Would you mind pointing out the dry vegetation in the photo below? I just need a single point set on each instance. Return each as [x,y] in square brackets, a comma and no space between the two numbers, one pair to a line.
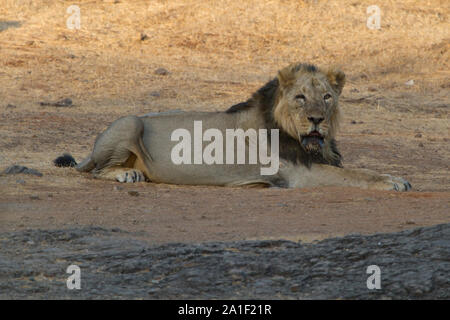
[219,48]
[217,53]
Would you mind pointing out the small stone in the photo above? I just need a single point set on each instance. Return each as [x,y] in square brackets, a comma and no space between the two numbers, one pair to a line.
[161,71]
[118,188]
[9,24]
[15,169]
[133,193]
[64,103]
[20,181]
[35,197]
[421,145]
[418,135]
[155,94]
[353,122]
[10,106]
[67,102]
[409,82]
[143,37]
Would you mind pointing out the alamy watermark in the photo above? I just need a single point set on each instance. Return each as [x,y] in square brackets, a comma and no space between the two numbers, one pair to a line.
[374,20]
[213,153]
[73,281]
[374,281]
[74,20]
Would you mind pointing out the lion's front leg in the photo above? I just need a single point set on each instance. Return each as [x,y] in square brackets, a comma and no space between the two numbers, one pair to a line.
[325,175]
[121,174]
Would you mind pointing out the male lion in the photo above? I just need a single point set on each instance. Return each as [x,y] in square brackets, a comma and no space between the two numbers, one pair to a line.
[301,102]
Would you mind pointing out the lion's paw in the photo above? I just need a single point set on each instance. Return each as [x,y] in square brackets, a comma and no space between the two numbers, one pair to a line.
[130,176]
[395,183]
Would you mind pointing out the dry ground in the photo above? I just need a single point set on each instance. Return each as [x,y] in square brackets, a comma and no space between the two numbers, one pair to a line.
[217,53]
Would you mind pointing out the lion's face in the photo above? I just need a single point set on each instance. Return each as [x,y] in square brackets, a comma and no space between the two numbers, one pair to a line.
[307,106]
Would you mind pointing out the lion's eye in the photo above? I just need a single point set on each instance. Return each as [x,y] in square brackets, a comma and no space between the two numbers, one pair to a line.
[300,97]
[327,96]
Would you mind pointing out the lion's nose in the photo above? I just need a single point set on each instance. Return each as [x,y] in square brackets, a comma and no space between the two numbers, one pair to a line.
[315,120]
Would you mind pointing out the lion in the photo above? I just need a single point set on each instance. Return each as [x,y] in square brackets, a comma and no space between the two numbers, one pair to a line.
[299,107]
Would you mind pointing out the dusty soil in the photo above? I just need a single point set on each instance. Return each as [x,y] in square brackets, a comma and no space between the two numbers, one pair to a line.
[217,54]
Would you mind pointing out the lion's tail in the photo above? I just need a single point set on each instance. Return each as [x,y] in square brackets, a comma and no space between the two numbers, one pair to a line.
[66,160]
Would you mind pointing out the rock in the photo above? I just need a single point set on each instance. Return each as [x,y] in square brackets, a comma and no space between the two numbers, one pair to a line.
[161,71]
[17,169]
[67,102]
[143,37]
[133,193]
[414,265]
[418,135]
[409,83]
[9,24]
[155,94]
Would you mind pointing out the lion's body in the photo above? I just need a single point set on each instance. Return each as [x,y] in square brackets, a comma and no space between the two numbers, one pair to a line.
[156,162]
[135,149]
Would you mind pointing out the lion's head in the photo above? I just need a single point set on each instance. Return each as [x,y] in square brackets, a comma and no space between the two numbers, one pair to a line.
[302,101]
[307,106]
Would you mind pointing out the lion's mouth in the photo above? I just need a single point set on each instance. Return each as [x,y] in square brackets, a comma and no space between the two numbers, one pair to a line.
[312,140]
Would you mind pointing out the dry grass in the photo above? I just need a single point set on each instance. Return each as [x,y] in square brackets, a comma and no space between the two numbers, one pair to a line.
[214,49]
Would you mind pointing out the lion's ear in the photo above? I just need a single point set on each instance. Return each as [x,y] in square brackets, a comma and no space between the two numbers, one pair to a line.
[286,76]
[337,80]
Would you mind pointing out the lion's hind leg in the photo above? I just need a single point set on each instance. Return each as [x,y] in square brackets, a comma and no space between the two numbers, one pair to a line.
[119,153]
